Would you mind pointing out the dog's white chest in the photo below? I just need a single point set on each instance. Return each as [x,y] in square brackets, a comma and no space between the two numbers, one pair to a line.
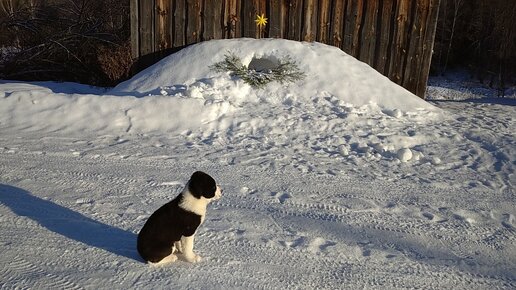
[193,204]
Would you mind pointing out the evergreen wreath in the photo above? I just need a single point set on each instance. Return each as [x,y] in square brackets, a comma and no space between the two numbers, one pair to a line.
[286,71]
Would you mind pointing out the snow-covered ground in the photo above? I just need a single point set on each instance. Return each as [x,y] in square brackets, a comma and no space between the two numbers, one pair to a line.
[341,180]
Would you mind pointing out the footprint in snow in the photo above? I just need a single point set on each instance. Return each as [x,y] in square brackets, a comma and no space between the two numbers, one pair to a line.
[281,197]
[171,183]
[315,245]
[84,201]
[508,221]
[428,215]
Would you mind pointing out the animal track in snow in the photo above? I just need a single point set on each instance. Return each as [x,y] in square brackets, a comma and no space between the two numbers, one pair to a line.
[255,232]
[281,197]
[312,245]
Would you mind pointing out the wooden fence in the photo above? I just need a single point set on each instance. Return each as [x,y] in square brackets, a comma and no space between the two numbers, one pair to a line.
[393,36]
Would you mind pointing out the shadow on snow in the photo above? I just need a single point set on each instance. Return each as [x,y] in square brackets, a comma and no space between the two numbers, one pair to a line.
[68,223]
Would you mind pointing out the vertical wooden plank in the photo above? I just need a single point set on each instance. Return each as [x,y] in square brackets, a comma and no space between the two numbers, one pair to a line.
[398,49]
[418,17]
[207,20]
[227,19]
[162,30]
[337,23]
[193,20]
[247,17]
[368,41]
[277,18]
[135,29]
[232,19]
[238,11]
[310,20]
[179,30]
[146,27]
[219,18]
[171,23]
[324,22]
[262,9]
[358,18]
[212,20]
[349,26]
[250,9]
[295,15]
[429,31]
[385,23]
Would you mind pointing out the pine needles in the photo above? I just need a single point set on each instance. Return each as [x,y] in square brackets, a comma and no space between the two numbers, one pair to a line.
[286,71]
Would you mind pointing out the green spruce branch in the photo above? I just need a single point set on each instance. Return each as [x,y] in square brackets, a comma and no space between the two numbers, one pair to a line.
[286,71]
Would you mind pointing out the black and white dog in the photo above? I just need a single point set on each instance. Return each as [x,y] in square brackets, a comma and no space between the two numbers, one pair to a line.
[171,228]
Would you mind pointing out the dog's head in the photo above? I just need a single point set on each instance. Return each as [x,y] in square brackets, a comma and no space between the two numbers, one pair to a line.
[203,185]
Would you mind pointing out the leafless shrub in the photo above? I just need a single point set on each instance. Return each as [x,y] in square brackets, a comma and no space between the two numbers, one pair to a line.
[66,40]
[115,61]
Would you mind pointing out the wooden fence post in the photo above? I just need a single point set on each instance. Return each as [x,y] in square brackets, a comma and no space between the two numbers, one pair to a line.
[384,41]
[193,21]
[310,20]
[163,20]
[295,14]
[213,27]
[135,29]
[337,23]
[277,18]
[369,35]
[324,22]
[179,18]
[430,29]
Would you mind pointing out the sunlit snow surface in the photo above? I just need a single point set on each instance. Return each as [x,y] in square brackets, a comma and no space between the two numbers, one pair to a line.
[341,180]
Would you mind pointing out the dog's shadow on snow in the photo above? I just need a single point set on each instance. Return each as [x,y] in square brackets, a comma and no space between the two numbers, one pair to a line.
[68,223]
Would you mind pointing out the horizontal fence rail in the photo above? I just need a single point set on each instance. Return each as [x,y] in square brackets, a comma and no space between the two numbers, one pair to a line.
[393,36]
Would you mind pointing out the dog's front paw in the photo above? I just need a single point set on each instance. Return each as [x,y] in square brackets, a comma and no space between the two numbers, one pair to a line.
[168,259]
[193,258]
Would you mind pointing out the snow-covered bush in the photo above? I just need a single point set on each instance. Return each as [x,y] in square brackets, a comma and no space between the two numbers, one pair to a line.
[284,71]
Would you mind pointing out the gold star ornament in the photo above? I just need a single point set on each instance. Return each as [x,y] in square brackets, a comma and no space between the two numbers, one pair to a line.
[260,20]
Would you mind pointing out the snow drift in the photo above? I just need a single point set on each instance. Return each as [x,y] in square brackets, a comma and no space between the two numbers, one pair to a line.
[182,96]
[329,71]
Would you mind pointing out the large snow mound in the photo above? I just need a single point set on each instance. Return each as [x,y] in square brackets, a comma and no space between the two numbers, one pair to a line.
[329,72]
[342,104]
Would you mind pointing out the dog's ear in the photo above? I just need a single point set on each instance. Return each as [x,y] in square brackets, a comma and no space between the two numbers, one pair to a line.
[201,184]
